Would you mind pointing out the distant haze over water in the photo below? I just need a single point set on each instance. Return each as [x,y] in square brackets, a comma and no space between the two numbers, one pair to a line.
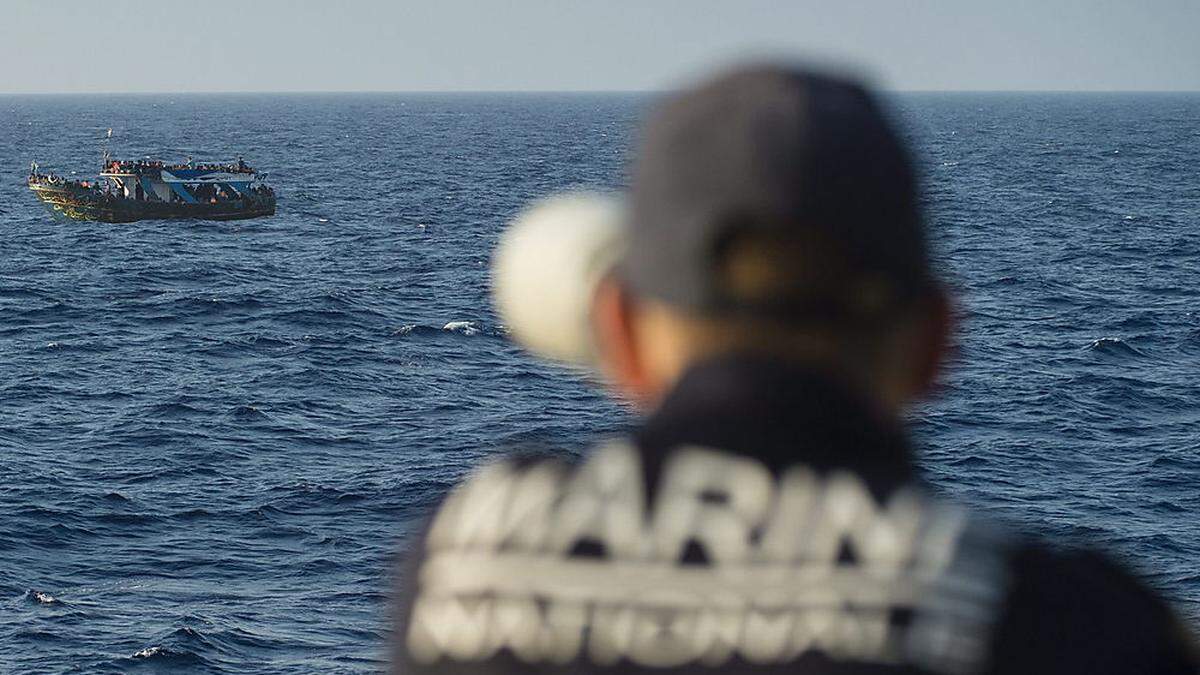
[578,45]
[214,437]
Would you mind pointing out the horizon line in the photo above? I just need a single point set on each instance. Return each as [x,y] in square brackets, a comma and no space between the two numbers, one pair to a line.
[316,92]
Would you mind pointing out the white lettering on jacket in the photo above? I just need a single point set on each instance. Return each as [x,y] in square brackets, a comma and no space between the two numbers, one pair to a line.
[795,563]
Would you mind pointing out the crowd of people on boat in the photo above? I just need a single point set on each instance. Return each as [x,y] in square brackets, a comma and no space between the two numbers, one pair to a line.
[205,193]
[80,189]
[212,193]
[141,166]
[38,178]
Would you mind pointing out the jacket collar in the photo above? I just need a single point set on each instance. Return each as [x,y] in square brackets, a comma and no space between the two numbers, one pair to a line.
[782,414]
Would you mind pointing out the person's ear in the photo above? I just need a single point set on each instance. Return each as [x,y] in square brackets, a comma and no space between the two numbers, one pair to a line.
[618,349]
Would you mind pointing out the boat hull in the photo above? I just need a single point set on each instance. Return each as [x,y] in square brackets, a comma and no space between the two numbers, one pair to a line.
[85,205]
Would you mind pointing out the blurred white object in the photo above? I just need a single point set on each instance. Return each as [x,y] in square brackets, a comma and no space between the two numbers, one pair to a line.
[546,269]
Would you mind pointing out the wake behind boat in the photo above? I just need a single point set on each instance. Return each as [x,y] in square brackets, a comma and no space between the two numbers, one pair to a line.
[128,191]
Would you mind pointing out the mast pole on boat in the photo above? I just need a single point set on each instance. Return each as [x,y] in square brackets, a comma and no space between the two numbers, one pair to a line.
[104,155]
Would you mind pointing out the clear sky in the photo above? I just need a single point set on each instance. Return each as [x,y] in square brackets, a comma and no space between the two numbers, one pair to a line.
[401,45]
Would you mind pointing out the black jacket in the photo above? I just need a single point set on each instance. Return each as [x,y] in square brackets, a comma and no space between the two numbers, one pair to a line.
[764,520]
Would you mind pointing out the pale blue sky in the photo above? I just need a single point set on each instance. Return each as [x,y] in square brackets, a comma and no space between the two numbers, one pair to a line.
[374,45]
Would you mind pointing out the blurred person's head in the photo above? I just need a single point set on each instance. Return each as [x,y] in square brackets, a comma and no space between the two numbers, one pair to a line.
[773,212]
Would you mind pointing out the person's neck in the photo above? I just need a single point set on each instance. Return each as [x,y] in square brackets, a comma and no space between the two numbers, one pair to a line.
[781,412]
[886,399]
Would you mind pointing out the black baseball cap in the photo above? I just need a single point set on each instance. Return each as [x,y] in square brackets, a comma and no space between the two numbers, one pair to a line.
[800,168]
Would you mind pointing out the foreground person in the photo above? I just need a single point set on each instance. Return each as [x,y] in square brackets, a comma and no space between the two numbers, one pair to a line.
[773,315]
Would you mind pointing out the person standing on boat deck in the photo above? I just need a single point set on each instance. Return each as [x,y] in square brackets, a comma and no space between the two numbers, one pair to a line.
[774,314]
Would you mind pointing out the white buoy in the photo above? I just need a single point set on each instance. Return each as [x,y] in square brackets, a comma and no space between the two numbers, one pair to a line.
[547,266]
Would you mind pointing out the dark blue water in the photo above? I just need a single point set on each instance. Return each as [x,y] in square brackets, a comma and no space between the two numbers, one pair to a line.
[214,437]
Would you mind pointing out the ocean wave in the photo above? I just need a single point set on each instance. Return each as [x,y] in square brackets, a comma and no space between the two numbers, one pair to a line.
[1114,347]
[247,412]
[161,656]
[41,598]
[465,327]
[192,307]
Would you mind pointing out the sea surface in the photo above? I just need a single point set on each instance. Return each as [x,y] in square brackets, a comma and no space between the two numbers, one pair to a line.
[214,437]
